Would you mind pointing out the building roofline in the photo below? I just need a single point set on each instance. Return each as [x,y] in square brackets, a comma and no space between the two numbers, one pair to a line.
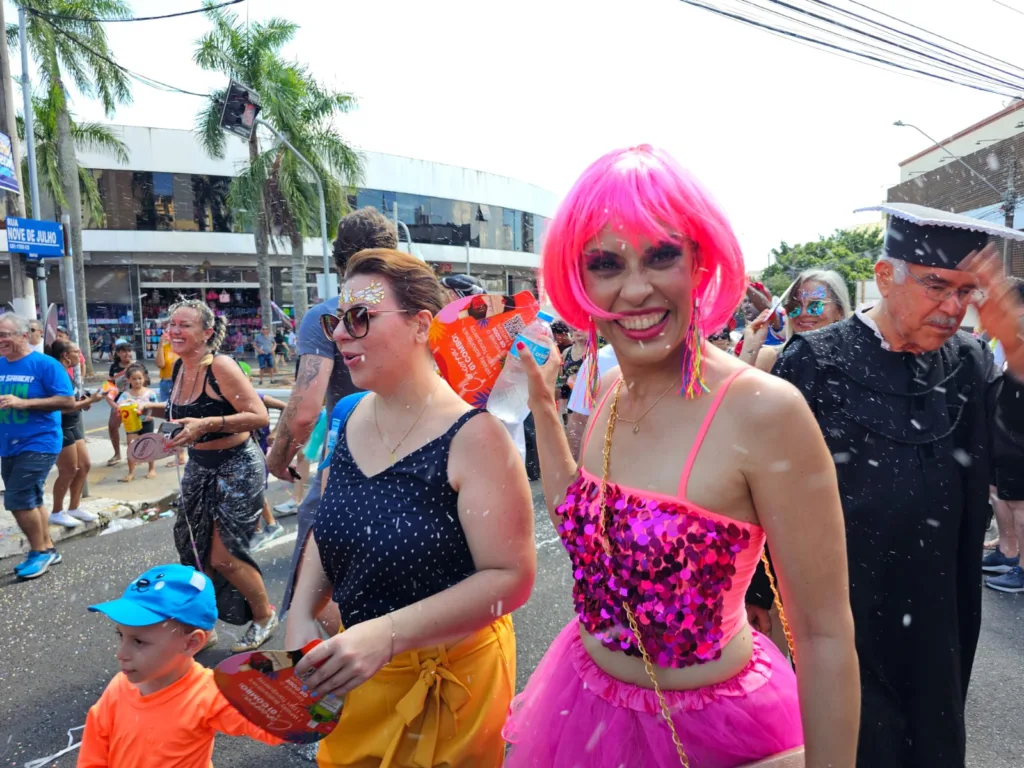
[960,134]
[362,149]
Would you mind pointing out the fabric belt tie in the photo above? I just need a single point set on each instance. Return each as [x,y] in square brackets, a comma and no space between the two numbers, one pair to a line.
[438,682]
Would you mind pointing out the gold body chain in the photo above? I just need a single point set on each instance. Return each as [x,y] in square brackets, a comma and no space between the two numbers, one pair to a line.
[633,626]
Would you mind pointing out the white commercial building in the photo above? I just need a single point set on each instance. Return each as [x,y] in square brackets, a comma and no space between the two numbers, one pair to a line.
[168,229]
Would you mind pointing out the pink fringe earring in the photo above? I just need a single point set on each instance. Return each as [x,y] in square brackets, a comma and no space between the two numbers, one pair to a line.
[693,357]
[593,382]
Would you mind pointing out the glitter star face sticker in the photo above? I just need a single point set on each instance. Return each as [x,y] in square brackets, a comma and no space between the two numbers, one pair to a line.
[371,294]
[817,293]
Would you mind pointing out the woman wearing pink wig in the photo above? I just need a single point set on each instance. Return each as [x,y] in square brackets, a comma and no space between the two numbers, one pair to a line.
[691,460]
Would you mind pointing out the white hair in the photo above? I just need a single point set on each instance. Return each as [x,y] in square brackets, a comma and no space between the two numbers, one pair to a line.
[19,323]
[899,268]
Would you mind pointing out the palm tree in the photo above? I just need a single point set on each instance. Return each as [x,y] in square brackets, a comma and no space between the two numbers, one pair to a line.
[69,45]
[290,189]
[86,136]
[275,192]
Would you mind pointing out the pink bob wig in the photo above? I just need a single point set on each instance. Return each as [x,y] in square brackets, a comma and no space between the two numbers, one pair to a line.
[644,193]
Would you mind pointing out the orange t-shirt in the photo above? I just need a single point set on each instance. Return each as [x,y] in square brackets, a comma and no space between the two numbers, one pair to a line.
[170,728]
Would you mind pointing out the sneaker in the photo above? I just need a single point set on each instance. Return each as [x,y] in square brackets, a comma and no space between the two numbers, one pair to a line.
[1011,581]
[996,562]
[57,557]
[83,515]
[36,565]
[63,518]
[267,535]
[28,558]
[211,640]
[255,634]
[287,508]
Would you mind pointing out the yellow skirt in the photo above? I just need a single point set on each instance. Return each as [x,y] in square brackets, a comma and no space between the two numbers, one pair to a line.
[441,707]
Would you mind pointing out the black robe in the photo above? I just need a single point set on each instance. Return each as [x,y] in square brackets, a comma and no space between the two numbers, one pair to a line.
[912,437]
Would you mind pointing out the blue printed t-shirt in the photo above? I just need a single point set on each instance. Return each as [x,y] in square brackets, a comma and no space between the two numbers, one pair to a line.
[33,377]
[313,341]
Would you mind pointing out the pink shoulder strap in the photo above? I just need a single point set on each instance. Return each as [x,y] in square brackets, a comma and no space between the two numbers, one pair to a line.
[593,417]
[684,480]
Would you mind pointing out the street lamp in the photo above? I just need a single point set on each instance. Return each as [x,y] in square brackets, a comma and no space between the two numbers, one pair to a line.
[901,124]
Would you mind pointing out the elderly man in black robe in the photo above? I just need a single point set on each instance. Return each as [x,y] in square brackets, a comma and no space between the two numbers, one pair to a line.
[911,409]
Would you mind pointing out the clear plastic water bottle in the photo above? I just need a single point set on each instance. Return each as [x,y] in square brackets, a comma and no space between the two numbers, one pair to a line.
[508,399]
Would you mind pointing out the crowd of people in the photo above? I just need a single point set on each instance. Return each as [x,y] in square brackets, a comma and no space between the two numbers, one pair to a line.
[776,540]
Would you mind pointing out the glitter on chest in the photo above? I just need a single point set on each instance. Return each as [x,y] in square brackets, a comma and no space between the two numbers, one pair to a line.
[672,565]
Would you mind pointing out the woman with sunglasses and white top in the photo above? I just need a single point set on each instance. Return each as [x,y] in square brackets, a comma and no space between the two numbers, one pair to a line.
[423,537]
[817,298]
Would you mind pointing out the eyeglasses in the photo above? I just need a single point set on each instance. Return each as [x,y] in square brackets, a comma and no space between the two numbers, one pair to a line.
[940,293]
[8,334]
[814,308]
[356,320]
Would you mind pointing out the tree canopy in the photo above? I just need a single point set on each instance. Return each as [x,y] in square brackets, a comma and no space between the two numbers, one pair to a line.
[850,252]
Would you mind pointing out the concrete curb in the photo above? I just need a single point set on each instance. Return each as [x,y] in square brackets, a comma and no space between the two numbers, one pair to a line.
[13,542]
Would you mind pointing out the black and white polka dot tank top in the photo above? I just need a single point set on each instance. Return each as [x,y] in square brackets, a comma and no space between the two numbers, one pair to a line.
[392,539]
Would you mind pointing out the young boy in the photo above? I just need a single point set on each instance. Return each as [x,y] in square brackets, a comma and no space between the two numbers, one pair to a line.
[163,707]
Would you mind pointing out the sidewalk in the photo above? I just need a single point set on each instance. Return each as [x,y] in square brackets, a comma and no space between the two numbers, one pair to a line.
[108,497]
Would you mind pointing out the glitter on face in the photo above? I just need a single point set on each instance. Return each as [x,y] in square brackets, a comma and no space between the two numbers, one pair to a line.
[371,294]
[673,566]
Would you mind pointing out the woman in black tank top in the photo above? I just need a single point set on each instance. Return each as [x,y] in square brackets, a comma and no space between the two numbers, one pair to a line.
[217,410]
[423,536]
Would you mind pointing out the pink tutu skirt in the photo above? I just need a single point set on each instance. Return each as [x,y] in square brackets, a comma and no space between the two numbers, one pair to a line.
[572,713]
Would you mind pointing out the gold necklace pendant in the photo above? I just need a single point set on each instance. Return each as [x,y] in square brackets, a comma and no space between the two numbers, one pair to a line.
[394,457]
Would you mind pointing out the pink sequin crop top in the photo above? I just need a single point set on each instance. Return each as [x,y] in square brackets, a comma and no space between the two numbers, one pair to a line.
[683,570]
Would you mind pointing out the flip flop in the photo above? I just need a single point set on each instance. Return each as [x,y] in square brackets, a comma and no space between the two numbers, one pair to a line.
[114,461]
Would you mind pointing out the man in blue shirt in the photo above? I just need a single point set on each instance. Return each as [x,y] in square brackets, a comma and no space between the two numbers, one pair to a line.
[34,388]
[322,374]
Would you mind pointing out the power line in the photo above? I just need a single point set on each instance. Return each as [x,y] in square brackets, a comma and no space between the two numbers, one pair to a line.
[901,57]
[931,43]
[1015,10]
[934,34]
[66,17]
[144,79]
[735,16]
[899,46]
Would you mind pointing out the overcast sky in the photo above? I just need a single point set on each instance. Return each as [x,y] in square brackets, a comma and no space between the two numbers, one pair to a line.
[790,139]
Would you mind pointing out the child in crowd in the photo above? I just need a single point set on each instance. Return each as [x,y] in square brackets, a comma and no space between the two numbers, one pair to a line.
[163,708]
[122,358]
[137,393]
[271,528]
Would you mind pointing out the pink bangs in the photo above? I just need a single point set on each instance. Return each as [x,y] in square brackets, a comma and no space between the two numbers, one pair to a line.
[644,193]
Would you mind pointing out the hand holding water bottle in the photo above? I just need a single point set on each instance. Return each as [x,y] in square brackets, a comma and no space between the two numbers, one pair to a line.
[512,393]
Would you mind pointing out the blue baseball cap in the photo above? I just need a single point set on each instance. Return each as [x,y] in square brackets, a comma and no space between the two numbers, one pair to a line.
[177,592]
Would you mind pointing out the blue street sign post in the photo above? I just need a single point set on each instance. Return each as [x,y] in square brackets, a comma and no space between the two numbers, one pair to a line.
[36,239]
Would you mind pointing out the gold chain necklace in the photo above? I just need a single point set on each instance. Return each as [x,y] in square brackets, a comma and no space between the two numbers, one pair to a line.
[666,714]
[394,451]
[634,627]
[636,422]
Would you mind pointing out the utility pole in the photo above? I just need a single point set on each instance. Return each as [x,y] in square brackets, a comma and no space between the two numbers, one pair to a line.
[14,203]
[1010,208]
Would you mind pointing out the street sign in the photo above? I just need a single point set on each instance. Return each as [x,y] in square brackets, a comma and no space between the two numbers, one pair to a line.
[8,177]
[36,238]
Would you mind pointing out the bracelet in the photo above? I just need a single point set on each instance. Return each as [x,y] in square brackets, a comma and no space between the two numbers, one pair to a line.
[392,619]
[222,422]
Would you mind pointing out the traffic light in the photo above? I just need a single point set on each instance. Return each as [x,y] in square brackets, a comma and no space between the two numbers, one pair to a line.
[241,106]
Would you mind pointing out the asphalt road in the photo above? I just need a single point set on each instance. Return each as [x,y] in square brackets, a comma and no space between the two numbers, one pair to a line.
[56,658]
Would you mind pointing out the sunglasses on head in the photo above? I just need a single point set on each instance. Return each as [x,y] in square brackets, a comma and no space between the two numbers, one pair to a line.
[356,320]
[814,308]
